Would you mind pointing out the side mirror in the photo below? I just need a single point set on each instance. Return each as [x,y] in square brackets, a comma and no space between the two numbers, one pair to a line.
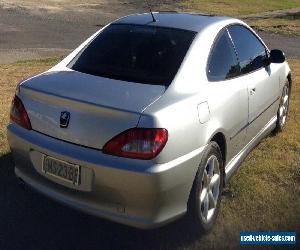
[277,56]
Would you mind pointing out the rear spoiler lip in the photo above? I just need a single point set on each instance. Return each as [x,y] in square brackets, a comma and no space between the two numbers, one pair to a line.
[46,93]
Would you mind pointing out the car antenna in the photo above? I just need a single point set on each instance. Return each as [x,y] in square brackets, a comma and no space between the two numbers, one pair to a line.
[153,18]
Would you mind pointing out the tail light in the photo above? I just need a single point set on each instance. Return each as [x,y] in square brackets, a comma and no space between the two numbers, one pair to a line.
[18,113]
[138,143]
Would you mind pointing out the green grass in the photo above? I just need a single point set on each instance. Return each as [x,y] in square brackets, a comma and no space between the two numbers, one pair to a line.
[288,24]
[264,195]
[238,7]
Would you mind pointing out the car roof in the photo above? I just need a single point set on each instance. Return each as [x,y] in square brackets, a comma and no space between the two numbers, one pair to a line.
[185,21]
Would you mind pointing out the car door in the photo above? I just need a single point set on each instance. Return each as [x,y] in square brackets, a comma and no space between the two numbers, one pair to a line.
[262,81]
[228,98]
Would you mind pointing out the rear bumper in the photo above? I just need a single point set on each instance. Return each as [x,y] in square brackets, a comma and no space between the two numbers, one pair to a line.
[134,192]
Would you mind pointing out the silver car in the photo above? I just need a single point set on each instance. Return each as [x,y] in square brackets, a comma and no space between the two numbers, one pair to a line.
[148,119]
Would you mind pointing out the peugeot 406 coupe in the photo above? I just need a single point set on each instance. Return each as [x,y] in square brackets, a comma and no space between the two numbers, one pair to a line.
[148,119]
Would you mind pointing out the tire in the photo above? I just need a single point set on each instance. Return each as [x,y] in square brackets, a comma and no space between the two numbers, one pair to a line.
[282,113]
[204,202]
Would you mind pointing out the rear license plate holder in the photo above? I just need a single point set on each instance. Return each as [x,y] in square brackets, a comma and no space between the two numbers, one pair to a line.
[62,170]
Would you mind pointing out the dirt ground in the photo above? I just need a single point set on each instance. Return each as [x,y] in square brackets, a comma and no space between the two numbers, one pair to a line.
[55,5]
[34,29]
[45,28]
[40,7]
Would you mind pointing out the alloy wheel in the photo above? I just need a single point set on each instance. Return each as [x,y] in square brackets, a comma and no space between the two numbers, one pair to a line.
[284,106]
[209,194]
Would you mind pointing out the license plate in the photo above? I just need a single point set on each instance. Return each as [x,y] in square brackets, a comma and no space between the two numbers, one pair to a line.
[61,170]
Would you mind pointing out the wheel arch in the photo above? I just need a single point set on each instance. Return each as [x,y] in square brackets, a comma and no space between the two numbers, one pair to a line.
[289,77]
[220,139]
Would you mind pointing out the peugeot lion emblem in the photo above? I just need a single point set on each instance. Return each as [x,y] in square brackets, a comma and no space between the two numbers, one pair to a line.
[64,119]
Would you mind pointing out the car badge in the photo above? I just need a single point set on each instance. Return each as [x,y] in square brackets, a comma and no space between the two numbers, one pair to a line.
[64,119]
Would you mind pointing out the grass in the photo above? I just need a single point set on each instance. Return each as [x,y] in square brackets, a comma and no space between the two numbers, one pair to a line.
[289,24]
[11,75]
[237,7]
[263,196]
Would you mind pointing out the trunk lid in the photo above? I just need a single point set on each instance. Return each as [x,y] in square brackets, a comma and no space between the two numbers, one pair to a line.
[99,108]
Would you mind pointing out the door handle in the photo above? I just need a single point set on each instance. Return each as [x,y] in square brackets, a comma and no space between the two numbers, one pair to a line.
[252,91]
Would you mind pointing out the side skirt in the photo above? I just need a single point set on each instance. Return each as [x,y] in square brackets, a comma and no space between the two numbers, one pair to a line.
[235,163]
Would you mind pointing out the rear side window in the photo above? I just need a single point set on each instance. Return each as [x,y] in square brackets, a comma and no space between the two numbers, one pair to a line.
[223,62]
[251,52]
[135,53]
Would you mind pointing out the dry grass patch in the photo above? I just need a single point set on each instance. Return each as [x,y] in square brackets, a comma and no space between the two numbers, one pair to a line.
[289,24]
[237,7]
[11,75]
[277,25]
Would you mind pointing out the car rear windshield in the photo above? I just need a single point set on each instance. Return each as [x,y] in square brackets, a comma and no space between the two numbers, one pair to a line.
[135,53]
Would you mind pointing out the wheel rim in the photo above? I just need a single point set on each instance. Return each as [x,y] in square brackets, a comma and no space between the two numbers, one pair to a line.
[210,189]
[284,106]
